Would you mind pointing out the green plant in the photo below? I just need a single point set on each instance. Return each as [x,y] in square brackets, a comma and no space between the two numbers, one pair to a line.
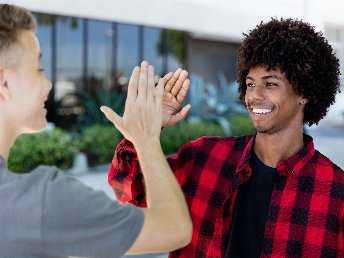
[241,125]
[92,100]
[172,138]
[98,142]
[52,147]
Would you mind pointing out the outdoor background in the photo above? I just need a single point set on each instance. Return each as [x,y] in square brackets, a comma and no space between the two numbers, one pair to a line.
[90,47]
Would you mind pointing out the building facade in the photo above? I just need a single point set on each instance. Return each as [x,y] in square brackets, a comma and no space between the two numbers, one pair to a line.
[87,55]
[92,46]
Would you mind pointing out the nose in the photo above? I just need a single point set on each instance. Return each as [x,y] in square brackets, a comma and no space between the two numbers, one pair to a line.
[256,93]
[50,85]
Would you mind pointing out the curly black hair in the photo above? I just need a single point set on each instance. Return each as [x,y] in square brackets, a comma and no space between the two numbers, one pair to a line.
[303,55]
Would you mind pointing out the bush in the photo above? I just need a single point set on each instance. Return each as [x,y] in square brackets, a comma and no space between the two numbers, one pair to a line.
[241,125]
[98,142]
[52,147]
[172,138]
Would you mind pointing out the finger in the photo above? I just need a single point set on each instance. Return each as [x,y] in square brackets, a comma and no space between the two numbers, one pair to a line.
[150,87]
[168,76]
[159,91]
[181,115]
[112,116]
[178,85]
[142,87]
[132,86]
[183,91]
[173,79]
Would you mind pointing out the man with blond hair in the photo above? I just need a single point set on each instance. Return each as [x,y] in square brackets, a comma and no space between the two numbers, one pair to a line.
[47,214]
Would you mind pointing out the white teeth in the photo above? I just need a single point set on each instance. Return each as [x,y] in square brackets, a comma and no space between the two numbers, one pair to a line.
[261,110]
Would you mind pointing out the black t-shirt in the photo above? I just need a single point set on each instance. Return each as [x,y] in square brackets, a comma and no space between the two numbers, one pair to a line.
[250,211]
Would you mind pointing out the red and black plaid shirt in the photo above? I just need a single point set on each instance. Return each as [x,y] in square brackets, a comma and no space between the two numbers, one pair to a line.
[305,216]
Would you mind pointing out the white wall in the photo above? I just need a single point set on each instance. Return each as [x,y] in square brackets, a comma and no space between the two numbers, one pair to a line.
[222,19]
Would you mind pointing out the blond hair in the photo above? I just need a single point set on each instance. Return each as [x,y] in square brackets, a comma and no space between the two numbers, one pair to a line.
[13,19]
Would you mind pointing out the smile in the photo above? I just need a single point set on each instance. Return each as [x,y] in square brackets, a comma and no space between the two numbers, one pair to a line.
[261,110]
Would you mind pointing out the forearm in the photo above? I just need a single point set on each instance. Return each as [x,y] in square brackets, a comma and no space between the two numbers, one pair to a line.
[167,221]
[162,188]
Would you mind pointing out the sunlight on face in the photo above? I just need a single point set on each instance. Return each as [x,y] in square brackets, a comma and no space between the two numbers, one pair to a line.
[29,88]
[271,101]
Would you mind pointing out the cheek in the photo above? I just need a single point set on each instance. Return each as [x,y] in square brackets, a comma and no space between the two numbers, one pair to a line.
[246,98]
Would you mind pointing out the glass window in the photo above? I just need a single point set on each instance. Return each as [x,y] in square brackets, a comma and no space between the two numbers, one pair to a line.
[127,51]
[176,45]
[69,74]
[44,32]
[100,38]
[69,53]
[151,51]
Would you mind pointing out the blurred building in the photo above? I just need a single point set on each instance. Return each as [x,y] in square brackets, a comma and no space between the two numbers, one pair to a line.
[89,45]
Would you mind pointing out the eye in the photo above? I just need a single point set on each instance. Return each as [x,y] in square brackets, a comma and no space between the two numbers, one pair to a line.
[271,84]
[41,69]
[250,85]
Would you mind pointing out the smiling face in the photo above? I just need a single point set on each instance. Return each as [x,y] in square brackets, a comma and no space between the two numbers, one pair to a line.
[272,102]
[27,86]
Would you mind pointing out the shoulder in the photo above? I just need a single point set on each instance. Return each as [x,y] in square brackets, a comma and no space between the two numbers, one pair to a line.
[321,161]
[327,167]
[34,181]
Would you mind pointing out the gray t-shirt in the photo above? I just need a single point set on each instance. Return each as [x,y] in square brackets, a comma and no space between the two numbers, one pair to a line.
[48,214]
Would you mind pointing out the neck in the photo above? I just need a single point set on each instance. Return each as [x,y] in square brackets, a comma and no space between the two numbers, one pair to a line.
[7,138]
[273,148]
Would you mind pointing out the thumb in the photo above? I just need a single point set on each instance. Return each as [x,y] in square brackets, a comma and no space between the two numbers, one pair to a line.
[181,115]
[111,115]
[185,110]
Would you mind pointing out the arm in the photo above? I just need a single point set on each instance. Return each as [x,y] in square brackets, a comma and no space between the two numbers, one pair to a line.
[167,225]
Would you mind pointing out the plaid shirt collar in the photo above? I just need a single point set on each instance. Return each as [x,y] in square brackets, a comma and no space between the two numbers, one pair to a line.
[292,165]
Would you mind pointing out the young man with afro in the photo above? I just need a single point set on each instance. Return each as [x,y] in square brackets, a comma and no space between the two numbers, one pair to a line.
[271,194]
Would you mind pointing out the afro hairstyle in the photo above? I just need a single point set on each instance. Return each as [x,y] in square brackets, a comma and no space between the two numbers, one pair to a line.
[303,55]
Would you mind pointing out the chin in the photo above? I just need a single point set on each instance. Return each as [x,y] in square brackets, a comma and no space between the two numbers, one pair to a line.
[39,127]
[266,130]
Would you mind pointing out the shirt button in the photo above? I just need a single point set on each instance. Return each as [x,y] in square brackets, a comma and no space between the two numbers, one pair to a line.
[247,171]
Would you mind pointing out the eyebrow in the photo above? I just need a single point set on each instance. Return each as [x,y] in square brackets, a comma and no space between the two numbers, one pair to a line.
[264,77]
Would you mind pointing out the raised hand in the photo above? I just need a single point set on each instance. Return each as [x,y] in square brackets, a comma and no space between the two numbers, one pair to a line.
[176,89]
[141,120]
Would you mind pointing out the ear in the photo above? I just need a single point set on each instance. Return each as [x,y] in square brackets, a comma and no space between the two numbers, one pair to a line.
[303,101]
[4,90]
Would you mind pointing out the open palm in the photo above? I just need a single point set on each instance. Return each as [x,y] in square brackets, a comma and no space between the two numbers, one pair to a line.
[175,91]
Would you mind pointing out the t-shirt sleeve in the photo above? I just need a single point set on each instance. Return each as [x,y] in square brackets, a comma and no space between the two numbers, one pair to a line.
[79,221]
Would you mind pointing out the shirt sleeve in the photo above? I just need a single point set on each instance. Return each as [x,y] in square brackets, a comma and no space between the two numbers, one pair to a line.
[125,175]
[79,221]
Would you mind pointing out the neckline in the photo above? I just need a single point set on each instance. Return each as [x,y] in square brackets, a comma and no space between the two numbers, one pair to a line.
[255,158]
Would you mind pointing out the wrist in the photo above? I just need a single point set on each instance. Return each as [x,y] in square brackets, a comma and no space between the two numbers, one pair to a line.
[147,144]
